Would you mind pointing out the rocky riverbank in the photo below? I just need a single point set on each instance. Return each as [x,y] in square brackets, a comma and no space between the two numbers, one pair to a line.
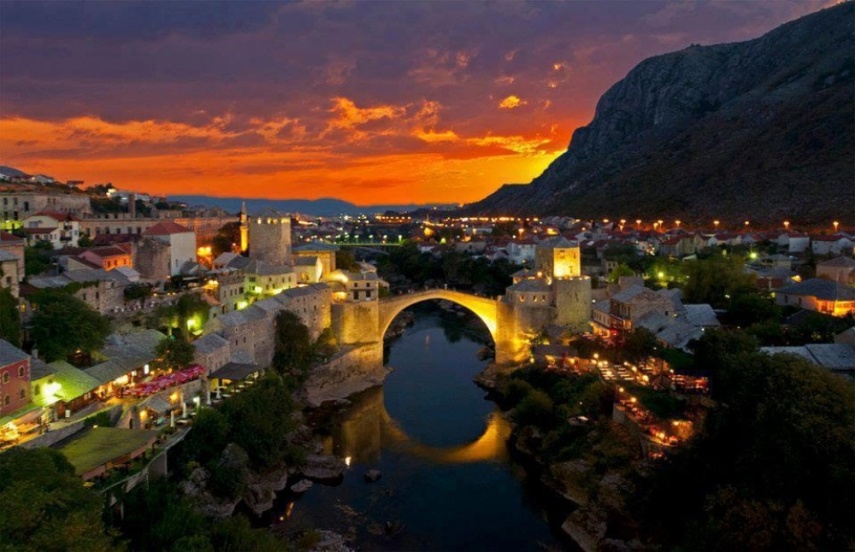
[597,496]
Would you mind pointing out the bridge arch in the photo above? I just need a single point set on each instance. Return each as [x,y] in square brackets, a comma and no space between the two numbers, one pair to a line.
[484,308]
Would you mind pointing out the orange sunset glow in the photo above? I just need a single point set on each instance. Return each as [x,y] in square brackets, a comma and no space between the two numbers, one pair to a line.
[366,102]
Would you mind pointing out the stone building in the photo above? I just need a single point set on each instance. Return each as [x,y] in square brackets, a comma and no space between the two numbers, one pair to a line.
[250,331]
[270,239]
[324,252]
[9,276]
[262,278]
[151,259]
[840,269]
[16,206]
[558,257]
[181,241]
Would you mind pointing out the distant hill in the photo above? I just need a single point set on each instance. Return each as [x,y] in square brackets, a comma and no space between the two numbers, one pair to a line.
[325,207]
[762,130]
[11,172]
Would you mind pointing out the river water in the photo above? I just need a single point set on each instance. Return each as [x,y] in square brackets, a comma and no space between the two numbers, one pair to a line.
[447,482]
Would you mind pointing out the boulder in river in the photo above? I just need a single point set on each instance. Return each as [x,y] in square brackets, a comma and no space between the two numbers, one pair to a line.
[302,486]
[372,475]
[323,467]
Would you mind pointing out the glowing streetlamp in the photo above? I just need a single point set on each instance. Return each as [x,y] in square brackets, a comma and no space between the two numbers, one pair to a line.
[836,224]
[637,223]
[746,224]
[677,222]
[715,223]
[787,225]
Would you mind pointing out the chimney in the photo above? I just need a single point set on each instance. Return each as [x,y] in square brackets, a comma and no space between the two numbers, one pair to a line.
[132,205]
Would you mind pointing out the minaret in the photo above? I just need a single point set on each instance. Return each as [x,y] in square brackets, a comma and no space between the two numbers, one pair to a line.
[244,230]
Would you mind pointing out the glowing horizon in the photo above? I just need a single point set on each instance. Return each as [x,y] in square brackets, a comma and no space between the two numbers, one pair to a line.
[366,102]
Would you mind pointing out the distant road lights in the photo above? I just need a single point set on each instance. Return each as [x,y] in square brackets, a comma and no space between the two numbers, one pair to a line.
[787,225]
[836,224]
[677,222]
[715,223]
[747,223]
[637,224]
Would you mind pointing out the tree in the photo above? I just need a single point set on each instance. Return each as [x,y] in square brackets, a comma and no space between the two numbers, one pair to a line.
[619,271]
[175,352]
[192,311]
[716,280]
[292,352]
[771,469]
[62,324]
[44,506]
[10,318]
[137,292]
[85,241]
[326,344]
[260,420]
[345,260]
[639,344]
[37,258]
[228,236]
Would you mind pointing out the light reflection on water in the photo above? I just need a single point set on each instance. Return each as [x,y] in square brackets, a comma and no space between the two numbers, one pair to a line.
[447,481]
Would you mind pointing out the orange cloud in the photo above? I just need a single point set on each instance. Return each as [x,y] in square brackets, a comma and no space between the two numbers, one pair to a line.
[512,102]
[417,160]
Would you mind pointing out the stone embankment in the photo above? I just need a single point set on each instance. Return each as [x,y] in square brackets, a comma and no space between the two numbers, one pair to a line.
[350,371]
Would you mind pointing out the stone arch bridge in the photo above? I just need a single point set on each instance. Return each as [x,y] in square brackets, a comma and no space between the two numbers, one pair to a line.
[495,314]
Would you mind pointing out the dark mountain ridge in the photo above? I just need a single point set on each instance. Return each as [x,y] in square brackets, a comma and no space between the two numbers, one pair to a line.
[761,130]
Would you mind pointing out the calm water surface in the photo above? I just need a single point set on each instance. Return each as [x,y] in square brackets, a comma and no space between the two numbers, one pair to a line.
[447,482]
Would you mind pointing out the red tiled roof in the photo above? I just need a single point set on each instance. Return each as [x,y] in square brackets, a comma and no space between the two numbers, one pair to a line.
[108,251]
[56,215]
[7,237]
[38,230]
[166,228]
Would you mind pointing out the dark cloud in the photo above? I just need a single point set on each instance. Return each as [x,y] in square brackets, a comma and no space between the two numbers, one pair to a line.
[262,77]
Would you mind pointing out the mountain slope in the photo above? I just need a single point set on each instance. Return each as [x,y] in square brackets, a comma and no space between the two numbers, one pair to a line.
[763,129]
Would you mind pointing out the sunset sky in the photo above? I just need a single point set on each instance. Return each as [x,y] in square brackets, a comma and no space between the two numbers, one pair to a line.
[371,102]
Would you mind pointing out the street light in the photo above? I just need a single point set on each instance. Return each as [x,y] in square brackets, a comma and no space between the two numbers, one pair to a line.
[835,223]
[787,225]
[715,223]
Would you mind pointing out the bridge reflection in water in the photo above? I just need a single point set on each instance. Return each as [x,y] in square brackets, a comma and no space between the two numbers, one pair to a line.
[367,428]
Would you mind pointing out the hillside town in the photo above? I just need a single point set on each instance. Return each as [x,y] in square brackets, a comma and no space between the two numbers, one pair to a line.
[162,277]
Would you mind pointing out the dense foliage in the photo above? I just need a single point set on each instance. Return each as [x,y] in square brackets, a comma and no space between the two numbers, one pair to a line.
[62,324]
[37,258]
[10,317]
[157,517]
[226,240]
[248,431]
[405,268]
[773,468]
[174,352]
[344,260]
[292,351]
[44,507]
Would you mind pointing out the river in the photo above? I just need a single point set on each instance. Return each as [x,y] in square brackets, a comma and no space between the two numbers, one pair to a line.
[447,481]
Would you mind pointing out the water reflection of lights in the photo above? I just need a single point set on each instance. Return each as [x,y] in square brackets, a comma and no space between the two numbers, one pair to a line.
[288,511]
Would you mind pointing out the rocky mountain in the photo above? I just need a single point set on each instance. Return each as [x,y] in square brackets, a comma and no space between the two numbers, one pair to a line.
[763,130]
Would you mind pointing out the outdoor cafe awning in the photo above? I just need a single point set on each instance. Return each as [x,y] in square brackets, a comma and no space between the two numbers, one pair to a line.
[234,371]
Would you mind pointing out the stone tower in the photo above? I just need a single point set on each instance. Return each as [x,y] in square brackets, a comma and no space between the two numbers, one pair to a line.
[270,238]
[573,302]
[558,258]
[244,229]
